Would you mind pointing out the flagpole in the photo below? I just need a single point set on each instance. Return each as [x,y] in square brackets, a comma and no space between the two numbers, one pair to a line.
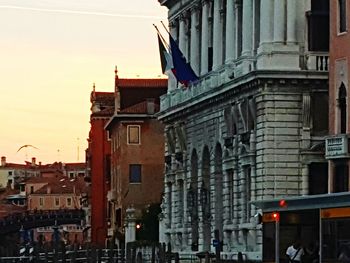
[162,38]
[165,27]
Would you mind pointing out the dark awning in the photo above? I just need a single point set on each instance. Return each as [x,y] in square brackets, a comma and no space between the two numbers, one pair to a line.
[305,202]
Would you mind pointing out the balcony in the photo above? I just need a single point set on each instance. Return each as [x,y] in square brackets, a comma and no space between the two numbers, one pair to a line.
[317,61]
[337,147]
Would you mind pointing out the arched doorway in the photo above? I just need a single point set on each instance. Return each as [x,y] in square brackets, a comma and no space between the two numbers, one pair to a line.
[205,199]
[193,201]
[218,178]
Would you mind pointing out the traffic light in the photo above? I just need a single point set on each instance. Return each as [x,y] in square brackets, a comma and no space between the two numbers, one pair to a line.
[276,216]
[283,203]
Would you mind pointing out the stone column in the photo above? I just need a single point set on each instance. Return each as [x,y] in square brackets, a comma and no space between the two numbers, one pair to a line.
[182,36]
[217,36]
[291,21]
[130,230]
[247,28]
[279,19]
[266,26]
[194,55]
[230,31]
[205,38]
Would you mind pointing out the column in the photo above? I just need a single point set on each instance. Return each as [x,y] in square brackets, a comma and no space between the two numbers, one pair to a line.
[247,28]
[205,38]
[266,26]
[230,31]
[279,19]
[291,21]
[194,55]
[217,36]
[130,230]
[172,83]
[182,36]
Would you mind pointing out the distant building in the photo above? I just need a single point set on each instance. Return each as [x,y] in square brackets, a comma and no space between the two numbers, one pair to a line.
[57,193]
[137,149]
[13,173]
[98,163]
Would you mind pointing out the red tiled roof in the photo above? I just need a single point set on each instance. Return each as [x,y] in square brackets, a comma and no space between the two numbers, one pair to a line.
[142,83]
[75,166]
[64,186]
[106,97]
[139,108]
[18,166]
[7,209]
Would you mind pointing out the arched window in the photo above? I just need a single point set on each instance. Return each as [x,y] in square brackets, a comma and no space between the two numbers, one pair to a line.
[205,199]
[218,191]
[342,108]
[192,201]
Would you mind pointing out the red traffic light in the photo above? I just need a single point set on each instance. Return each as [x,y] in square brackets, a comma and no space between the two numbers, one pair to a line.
[282,203]
[276,216]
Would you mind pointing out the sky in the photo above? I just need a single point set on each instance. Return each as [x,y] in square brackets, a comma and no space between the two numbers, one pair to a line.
[51,53]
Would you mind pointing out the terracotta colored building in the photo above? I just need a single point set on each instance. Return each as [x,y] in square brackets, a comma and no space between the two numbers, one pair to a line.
[98,163]
[337,151]
[137,140]
[57,193]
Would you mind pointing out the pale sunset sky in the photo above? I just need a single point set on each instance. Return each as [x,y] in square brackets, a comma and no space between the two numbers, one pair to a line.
[52,51]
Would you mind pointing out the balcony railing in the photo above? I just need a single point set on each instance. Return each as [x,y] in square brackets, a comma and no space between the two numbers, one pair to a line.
[317,61]
[337,146]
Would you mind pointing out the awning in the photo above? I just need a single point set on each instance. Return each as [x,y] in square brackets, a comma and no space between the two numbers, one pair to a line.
[304,202]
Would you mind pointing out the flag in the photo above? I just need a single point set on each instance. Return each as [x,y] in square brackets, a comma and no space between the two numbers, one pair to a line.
[165,58]
[181,69]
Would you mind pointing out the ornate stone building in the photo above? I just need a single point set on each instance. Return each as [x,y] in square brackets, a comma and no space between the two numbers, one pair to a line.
[253,126]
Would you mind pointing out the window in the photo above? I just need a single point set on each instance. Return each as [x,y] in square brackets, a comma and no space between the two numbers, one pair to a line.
[10,172]
[69,201]
[57,201]
[41,201]
[135,173]
[134,134]
[342,108]
[342,15]
[32,189]
[71,175]
[318,178]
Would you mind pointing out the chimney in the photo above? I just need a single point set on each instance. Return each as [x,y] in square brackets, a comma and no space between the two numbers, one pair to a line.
[33,161]
[150,105]
[3,160]
[116,92]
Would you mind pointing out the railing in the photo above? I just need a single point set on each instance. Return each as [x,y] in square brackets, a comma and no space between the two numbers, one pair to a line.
[28,220]
[317,61]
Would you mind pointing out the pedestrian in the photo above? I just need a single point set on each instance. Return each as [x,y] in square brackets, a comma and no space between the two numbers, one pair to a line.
[295,252]
[344,254]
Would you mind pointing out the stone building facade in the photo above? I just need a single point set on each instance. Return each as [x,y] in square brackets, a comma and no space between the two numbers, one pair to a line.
[253,126]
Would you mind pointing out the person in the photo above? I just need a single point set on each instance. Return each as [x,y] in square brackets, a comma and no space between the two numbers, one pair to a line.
[311,253]
[344,255]
[295,252]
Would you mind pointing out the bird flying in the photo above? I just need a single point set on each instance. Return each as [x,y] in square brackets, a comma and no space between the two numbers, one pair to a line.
[25,146]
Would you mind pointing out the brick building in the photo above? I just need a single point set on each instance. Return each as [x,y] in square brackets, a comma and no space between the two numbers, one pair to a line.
[137,141]
[339,83]
[98,163]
